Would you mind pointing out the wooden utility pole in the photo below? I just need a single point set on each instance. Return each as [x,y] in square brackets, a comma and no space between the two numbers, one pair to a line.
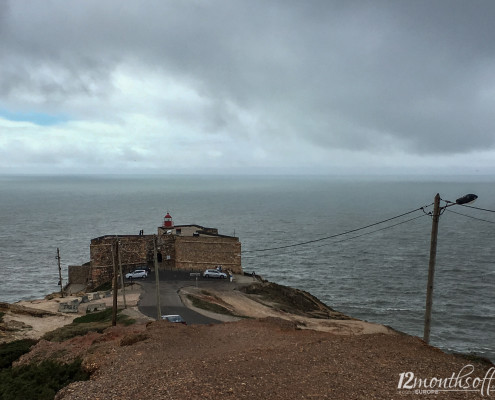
[121,277]
[115,249]
[157,278]
[60,274]
[431,267]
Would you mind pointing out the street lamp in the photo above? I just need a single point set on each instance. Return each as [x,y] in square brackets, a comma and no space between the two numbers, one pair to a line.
[467,199]
[437,211]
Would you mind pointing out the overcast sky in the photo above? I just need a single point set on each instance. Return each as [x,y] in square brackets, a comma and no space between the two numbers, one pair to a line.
[286,86]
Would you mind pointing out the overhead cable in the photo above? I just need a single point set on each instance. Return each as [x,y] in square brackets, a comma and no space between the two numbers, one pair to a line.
[371,232]
[378,230]
[470,216]
[477,208]
[336,235]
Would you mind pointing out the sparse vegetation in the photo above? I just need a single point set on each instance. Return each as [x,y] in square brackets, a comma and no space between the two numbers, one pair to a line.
[213,307]
[33,381]
[39,381]
[100,316]
[132,339]
[104,287]
[9,352]
[94,322]
[291,300]
[286,298]
[69,331]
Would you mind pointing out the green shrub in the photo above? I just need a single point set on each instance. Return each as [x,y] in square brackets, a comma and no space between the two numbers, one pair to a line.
[103,287]
[104,316]
[69,331]
[9,352]
[94,322]
[100,316]
[39,381]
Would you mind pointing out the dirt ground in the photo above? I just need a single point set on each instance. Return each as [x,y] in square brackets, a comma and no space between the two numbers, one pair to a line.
[265,352]
[32,319]
[241,304]
[21,321]
[260,359]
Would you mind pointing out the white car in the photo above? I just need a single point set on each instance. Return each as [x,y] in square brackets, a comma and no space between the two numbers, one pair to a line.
[174,318]
[139,273]
[214,273]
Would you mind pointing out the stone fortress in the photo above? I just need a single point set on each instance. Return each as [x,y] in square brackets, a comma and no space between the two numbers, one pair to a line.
[191,248]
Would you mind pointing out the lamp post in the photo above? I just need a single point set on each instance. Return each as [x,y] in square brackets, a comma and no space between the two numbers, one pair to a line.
[437,211]
[157,277]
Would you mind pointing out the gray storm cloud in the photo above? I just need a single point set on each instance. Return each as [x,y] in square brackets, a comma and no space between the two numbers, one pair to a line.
[414,76]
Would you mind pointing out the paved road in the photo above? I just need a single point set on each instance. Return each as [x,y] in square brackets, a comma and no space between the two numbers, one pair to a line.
[170,283]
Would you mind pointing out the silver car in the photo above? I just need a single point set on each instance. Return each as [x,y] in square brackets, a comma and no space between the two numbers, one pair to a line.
[214,273]
[138,273]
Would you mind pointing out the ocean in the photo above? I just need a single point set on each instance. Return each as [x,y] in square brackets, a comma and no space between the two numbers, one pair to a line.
[292,233]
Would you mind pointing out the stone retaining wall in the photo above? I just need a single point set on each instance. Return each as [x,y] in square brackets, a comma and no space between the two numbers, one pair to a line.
[200,253]
[78,274]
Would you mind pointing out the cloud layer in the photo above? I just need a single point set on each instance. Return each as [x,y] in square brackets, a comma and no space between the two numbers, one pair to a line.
[318,86]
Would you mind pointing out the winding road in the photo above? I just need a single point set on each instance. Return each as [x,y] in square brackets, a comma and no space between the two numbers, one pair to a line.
[170,283]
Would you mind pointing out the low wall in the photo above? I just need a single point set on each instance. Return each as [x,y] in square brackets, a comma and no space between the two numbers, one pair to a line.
[200,253]
[78,274]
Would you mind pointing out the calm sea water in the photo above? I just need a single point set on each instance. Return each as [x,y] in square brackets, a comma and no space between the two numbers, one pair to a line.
[378,276]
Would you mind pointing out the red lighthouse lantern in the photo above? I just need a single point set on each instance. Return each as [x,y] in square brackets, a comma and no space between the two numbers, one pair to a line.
[167,221]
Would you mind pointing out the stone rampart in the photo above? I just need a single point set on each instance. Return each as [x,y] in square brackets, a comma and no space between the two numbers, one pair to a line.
[191,253]
[78,274]
[200,253]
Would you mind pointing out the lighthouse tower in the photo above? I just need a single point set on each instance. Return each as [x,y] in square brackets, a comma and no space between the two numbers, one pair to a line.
[167,221]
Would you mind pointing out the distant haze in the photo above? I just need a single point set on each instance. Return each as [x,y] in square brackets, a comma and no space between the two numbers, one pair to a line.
[326,87]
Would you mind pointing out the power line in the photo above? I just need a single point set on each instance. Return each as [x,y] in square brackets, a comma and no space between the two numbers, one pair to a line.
[470,216]
[338,234]
[376,230]
[380,229]
[477,208]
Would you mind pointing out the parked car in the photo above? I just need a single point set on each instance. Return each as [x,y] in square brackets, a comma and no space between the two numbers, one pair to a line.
[214,273]
[138,273]
[174,318]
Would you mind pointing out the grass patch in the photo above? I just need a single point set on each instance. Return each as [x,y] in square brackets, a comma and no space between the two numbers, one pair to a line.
[104,316]
[94,322]
[213,307]
[39,381]
[290,300]
[9,352]
[103,287]
[69,331]
[100,316]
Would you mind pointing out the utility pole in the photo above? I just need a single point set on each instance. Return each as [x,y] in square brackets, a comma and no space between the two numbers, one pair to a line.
[60,274]
[115,249]
[431,267]
[121,277]
[157,278]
